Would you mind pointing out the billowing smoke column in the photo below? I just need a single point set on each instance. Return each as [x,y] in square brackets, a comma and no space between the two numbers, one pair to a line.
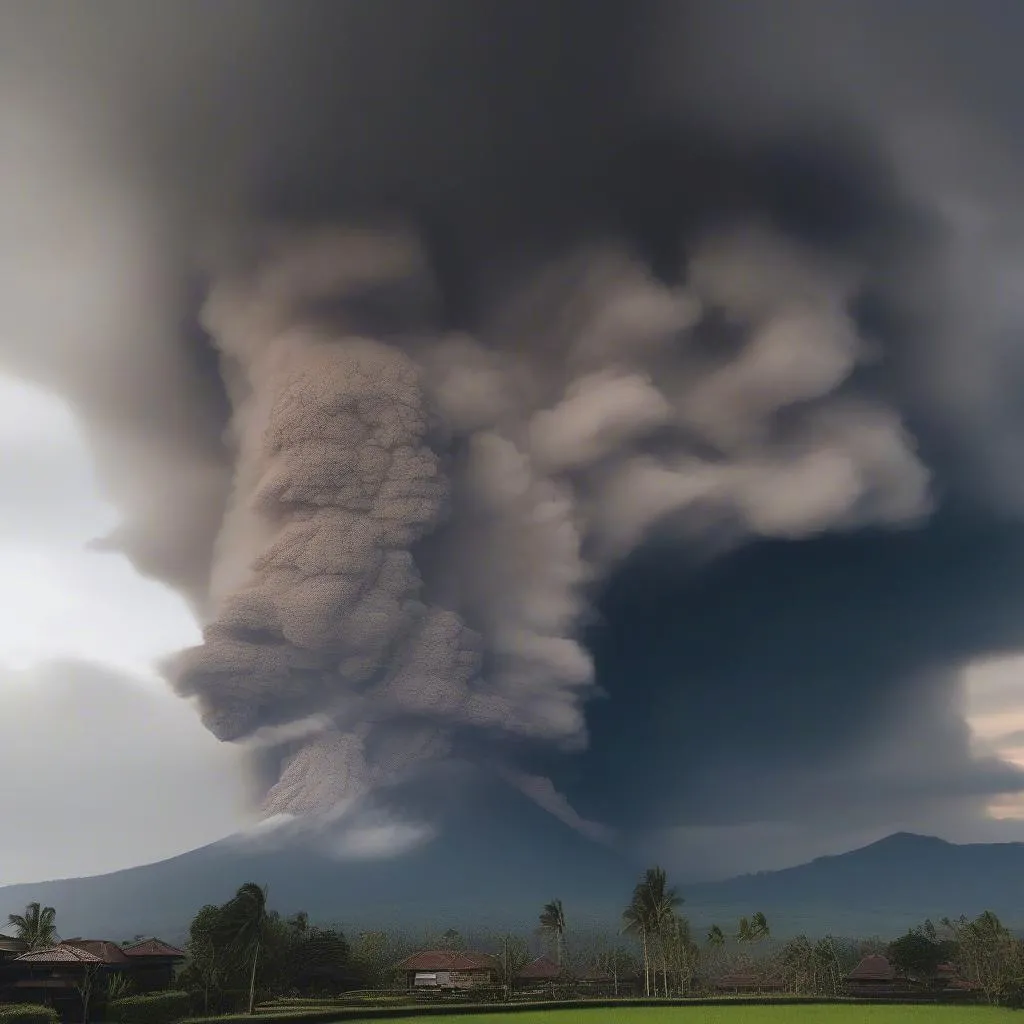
[418,520]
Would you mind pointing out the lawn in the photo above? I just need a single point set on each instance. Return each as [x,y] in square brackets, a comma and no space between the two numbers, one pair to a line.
[859,1014]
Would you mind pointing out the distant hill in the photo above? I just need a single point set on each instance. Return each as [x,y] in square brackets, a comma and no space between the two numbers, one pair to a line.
[493,870]
[878,889]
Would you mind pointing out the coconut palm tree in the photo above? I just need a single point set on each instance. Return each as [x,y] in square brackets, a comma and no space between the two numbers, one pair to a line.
[649,915]
[634,921]
[36,927]
[662,901]
[552,921]
[716,937]
[244,923]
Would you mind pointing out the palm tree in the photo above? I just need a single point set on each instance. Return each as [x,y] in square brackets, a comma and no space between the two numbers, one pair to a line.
[716,937]
[552,921]
[753,929]
[649,914]
[634,919]
[36,927]
[245,921]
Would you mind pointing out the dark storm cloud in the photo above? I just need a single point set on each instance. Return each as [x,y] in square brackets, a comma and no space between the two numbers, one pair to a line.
[726,276]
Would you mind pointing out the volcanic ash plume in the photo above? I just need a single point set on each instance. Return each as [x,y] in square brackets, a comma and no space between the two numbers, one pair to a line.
[417,521]
[320,604]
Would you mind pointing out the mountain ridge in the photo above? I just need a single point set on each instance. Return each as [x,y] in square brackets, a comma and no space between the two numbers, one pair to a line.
[497,873]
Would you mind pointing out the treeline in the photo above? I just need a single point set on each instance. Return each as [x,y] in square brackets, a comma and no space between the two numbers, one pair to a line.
[241,953]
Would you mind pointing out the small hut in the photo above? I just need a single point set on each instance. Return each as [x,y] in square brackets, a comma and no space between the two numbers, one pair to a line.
[447,969]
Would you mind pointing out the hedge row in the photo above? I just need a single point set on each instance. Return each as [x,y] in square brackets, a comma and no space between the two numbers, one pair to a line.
[27,1013]
[153,1008]
[362,1013]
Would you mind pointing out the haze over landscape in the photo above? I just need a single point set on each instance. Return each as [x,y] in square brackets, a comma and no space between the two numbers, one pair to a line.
[584,434]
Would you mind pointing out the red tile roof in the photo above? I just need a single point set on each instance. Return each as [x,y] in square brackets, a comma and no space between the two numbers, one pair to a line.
[446,960]
[108,952]
[153,947]
[62,954]
[541,969]
[872,968]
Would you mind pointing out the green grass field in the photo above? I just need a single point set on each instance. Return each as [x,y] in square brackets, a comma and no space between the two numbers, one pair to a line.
[859,1014]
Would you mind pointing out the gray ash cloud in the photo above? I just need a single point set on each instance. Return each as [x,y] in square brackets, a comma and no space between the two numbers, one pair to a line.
[400,330]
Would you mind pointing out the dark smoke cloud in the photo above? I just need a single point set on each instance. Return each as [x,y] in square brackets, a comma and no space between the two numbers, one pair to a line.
[402,331]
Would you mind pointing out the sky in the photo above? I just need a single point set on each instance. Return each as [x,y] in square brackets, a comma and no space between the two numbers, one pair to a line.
[622,396]
[105,765]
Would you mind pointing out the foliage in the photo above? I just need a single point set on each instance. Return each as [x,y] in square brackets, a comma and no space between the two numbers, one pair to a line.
[552,921]
[650,916]
[815,968]
[153,1008]
[987,955]
[451,939]
[513,955]
[240,950]
[917,954]
[374,955]
[753,929]
[27,1013]
[118,986]
[37,926]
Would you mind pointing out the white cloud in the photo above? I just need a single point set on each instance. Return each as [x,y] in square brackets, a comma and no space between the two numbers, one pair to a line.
[111,769]
[109,774]
[58,599]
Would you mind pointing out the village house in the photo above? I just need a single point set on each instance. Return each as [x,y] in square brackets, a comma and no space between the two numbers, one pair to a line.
[55,976]
[875,976]
[448,969]
[153,963]
[10,948]
[542,971]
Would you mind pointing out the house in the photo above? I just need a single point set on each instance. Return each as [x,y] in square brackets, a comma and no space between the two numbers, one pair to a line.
[10,948]
[53,976]
[153,963]
[949,983]
[448,969]
[542,971]
[875,976]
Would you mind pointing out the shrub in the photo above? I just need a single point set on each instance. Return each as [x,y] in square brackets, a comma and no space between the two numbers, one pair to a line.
[154,1008]
[27,1013]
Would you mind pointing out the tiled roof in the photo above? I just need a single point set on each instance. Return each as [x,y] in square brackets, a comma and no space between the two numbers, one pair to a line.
[446,960]
[62,954]
[872,968]
[153,947]
[108,952]
[541,969]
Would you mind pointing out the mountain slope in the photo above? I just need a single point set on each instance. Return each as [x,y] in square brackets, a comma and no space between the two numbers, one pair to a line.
[884,887]
[494,868]
[489,868]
